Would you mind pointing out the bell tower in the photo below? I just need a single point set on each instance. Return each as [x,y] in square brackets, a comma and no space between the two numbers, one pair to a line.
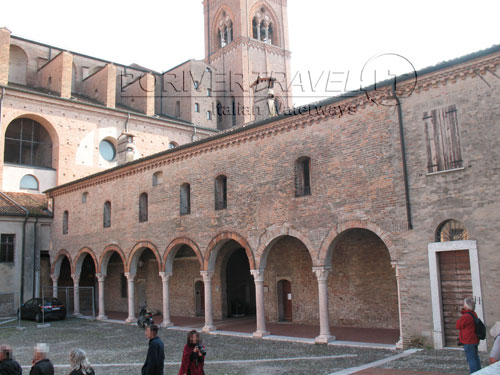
[246,41]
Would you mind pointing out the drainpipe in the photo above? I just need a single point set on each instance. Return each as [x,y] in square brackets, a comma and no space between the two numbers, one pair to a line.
[1,105]
[194,133]
[21,294]
[35,243]
[403,155]
[126,122]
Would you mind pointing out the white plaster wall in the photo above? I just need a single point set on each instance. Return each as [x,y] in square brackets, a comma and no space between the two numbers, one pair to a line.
[12,175]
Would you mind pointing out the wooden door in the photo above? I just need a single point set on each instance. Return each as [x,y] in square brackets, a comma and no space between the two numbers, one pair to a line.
[286,299]
[456,284]
[199,292]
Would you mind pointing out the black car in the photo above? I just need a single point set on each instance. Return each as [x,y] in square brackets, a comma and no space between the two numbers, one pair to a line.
[50,308]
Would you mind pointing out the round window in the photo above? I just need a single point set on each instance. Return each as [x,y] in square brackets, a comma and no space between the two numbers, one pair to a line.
[107,150]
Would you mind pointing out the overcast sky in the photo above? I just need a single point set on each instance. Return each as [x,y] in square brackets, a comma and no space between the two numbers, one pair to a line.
[325,35]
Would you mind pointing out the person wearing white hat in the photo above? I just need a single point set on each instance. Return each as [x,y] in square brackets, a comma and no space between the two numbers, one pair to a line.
[495,351]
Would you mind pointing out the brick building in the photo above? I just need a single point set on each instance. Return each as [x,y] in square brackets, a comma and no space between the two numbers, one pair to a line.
[376,209]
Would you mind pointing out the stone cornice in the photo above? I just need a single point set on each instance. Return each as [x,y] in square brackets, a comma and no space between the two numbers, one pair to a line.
[250,43]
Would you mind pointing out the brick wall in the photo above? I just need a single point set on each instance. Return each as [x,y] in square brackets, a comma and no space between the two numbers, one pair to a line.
[55,75]
[101,86]
[4,55]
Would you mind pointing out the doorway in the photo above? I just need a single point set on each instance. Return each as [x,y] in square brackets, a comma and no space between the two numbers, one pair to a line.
[199,293]
[285,301]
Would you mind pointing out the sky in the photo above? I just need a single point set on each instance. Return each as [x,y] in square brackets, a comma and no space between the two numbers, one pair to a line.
[330,40]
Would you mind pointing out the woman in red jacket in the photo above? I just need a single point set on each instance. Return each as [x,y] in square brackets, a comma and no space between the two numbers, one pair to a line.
[467,335]
[193,357]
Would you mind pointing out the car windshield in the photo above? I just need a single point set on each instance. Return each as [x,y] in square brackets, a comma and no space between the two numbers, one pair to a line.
[51,301]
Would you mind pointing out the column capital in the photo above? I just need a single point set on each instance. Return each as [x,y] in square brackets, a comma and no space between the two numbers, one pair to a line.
[207,275]
[322,273]
[54,277]
[100,277]
[165,276]
[75,277]
[258,275]
[130,276]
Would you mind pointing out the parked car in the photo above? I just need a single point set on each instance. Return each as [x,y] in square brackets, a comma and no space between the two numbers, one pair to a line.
[50,308]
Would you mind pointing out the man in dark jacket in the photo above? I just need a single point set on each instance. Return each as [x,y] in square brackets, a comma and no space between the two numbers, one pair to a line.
[7,365]
[467,335]
[41,364]
[156,353]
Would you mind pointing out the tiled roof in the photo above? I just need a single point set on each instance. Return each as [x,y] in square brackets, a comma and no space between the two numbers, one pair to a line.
[36,204]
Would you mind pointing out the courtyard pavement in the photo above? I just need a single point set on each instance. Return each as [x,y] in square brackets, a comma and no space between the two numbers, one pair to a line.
[120,349]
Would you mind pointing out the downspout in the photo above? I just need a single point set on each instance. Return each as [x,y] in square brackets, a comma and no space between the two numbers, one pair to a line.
[1,106]
[126,122]
[403,156]
[35,243]
[194,133]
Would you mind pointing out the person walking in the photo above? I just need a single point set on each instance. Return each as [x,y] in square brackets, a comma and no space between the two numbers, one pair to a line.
[156,353]
[193,356]
[495,351]
[41,365]
[7,364]
[467,335]
[79,363]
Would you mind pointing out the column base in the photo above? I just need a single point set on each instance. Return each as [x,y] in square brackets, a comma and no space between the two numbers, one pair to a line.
[208,328]
[166,324]
[102,317]
[324,339]
[400,345]
[77,315]
[131,320]
[260,334]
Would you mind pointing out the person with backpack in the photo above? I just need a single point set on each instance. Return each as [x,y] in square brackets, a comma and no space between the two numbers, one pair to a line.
[495,351]
[467,334]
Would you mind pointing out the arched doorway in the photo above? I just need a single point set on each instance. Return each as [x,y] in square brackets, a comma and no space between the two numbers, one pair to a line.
[88,286]
[115,286]
[148,284]
[362,286]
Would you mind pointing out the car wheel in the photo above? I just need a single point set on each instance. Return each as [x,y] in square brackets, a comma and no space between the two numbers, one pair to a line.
[38,317]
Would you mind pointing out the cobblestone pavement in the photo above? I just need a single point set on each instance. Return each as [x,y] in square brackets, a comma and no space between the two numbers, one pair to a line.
[118,349]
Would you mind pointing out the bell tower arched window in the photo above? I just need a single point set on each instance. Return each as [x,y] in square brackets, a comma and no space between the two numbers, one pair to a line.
[224,30]
[263,28]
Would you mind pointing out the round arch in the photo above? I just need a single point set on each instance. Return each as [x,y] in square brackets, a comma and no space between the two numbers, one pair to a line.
[215,24]
[80,257]
[450,228]
[273,235]
[56,265]
[326,250]
[136,252]
[18,65]
[216,244]
[106,255]
[174,246]
[274,19]
[47,126]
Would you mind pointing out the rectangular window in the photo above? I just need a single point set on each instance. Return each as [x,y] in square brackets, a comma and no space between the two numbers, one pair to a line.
[209,115]
[303,177]
[442,139]
[124,286]
[209,92]
[221,193]
[7,248]
[196,107]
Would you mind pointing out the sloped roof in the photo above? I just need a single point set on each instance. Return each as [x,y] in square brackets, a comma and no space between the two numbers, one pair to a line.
[11,204]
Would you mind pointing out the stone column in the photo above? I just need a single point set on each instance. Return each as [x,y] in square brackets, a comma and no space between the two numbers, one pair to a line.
[399,344]
[209,316]
[165,276]
[131,307]
[324,331]
[258,277]
[102,313]
[258,30]
[55,282]
[266,26]
[76,294]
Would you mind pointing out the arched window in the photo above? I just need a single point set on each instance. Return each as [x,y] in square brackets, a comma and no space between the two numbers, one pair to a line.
[27,143]
[451,230]
[18,65]
[157,178]
[262,27]
[221,192]
[65,222]
[106,223]
[172,145]
[177,108]
[29,182]
[255,28]
[303,176]
[143,208]
[185,199]
[233,110]
[219,115]
[224,30]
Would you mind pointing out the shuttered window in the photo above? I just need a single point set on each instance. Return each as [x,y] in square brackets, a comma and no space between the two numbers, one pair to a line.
[443,139]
